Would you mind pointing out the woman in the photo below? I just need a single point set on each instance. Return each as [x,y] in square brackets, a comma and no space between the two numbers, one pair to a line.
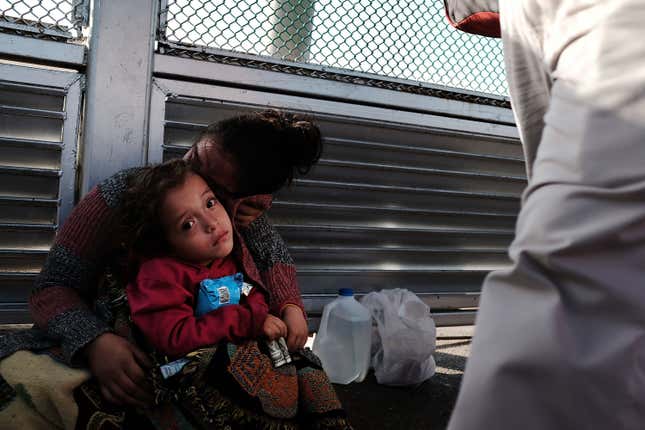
[243,156]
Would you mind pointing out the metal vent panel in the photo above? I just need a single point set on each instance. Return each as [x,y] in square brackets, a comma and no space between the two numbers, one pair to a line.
[339,192]
[390,238]
[39,115]
[19,124]
[24,153]
[428,156]
[380,217]
[28,211]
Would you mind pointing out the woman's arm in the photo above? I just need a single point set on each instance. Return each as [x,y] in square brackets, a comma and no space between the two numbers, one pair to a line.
[163,311]
[274,263]
[278,273]
[61,300]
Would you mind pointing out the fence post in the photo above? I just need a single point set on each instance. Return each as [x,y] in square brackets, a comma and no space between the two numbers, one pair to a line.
[291,32]
[118,87]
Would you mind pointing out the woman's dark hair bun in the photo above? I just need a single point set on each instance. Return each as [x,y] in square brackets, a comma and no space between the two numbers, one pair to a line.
[302,140]
[270,147]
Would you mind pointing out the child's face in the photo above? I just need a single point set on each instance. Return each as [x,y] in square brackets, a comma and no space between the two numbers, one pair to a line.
[196,224]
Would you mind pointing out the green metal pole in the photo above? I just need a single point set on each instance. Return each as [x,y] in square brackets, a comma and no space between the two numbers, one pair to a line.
[291,32]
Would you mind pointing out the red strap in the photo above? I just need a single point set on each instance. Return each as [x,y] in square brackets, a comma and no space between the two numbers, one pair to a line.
[480,23]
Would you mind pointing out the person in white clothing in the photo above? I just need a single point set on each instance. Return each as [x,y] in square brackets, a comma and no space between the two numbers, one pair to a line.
[560,336]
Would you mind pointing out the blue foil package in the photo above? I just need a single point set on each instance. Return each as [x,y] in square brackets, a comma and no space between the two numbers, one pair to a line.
[214,293]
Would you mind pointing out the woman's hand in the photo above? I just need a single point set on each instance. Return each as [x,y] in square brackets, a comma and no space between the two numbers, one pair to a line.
[247,213]
[118,365]
[274,327]
[297,330]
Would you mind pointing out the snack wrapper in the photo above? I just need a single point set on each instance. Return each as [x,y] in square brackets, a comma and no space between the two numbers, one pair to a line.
[226,290]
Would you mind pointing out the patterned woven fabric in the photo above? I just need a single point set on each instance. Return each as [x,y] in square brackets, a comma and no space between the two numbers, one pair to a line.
[237,386]
[276,389]
[230,386]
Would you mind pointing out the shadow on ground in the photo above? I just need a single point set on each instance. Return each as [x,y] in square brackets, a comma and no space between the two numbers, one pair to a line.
[427,406]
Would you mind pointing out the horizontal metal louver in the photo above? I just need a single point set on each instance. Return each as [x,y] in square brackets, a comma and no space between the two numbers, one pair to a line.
[39,111]
[430,208]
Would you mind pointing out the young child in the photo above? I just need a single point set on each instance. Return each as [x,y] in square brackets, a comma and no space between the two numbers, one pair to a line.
[184,235]
[191,239]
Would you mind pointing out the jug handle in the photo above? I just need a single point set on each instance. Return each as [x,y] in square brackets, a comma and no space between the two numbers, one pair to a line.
[322,329]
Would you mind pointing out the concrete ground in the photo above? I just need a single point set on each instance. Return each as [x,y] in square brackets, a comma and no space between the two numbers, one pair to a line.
[427,406]
[371,406]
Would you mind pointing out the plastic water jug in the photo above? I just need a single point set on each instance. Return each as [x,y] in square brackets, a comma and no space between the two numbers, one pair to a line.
[344,339]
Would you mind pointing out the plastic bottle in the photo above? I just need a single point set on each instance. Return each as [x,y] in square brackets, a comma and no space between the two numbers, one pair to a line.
[344,339]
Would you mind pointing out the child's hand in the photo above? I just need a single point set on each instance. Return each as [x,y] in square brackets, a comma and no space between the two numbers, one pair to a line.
[274,327]
[297,330]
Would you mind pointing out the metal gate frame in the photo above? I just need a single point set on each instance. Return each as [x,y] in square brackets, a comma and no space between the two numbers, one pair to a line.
[129,83]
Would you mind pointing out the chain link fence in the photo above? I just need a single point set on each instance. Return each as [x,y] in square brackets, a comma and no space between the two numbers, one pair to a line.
[407,40]
[49,19]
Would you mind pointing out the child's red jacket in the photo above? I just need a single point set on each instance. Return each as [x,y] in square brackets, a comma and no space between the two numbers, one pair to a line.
[162,304]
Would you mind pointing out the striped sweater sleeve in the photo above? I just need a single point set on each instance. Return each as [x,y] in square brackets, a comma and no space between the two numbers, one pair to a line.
[274,263]
[61,300]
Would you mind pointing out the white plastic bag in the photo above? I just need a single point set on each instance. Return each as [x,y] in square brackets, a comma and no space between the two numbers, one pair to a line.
[404,339]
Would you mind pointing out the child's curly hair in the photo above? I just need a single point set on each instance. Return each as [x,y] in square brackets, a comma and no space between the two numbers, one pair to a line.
[141,229]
